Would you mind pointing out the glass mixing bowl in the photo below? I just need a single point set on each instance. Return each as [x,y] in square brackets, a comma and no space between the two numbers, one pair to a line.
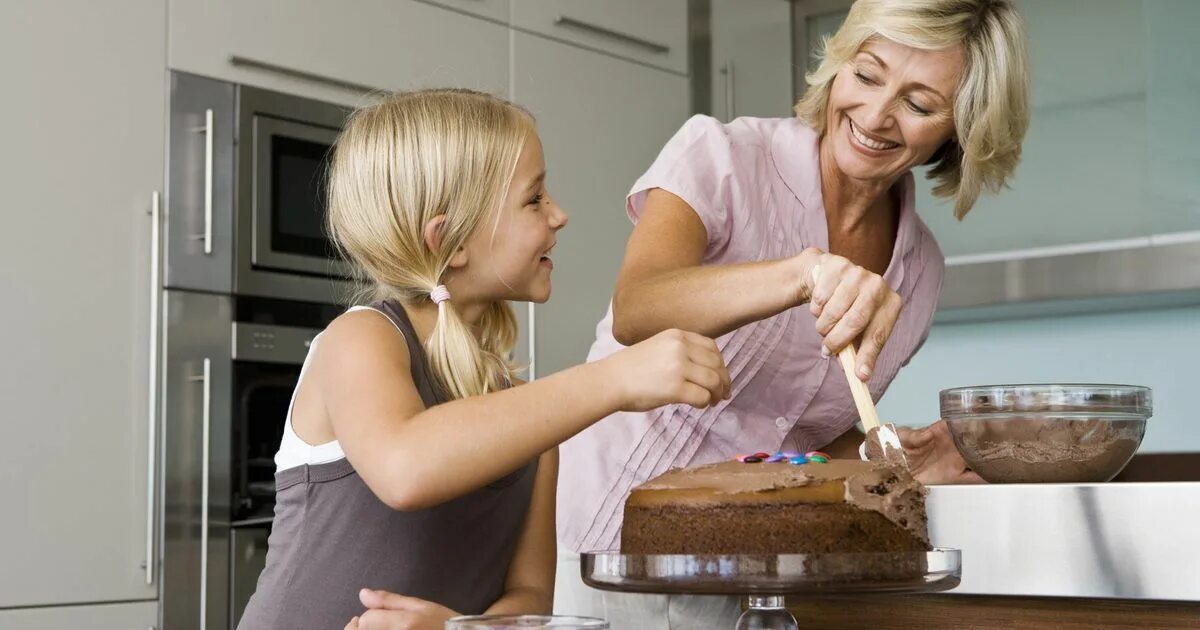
[1047,433]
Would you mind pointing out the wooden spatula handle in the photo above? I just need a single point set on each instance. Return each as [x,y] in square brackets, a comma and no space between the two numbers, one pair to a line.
[848,357]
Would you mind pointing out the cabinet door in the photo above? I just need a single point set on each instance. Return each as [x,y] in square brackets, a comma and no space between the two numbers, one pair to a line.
[602,121]
[83,155]
[135,616]
[328,50]
[491,9]
[751,58]
[654,33]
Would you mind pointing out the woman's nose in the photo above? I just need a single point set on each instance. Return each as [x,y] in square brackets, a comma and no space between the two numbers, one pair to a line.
[876,113]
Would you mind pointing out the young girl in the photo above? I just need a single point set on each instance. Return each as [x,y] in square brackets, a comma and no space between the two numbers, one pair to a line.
[409,462]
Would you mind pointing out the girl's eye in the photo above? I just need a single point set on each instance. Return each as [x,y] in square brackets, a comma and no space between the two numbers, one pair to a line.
[864,79]
[535,201]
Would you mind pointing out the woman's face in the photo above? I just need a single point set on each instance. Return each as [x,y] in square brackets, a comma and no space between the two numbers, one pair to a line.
[515,246]
[891,107]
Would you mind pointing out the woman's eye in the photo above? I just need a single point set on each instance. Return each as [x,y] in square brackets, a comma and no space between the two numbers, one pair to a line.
[535,201]
[864,79]
[918,109]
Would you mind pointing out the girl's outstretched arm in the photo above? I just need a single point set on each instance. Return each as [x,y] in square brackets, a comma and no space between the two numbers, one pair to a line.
[412,457]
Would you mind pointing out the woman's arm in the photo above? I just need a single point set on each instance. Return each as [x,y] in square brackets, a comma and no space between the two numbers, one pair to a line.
[529,587]
[663,285]
[412,457]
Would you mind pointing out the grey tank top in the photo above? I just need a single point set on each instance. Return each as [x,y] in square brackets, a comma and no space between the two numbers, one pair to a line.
[332,536]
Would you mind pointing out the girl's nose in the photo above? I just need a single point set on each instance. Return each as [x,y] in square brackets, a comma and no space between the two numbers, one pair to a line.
[558,216]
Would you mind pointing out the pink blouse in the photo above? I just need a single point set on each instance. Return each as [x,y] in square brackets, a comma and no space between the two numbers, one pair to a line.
[756,185]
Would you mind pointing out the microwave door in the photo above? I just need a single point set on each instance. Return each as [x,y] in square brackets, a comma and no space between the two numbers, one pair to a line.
[289,204]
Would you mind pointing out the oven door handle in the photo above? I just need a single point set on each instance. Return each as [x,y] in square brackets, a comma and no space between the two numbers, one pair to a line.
[206,426]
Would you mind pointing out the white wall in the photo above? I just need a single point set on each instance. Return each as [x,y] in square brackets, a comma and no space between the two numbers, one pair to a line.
[1112,151]
[1159,349]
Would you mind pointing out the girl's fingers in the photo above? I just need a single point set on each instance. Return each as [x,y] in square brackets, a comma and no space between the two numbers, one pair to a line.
[708,379]
[389,601]
[694,395]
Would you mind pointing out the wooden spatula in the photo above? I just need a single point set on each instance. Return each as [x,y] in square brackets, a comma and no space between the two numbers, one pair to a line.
[883,435]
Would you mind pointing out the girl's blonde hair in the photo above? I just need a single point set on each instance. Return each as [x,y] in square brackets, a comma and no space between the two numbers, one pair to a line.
[397,165]
[991,109]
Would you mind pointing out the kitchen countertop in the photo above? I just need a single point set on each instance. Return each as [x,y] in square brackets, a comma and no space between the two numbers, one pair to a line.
[1136,541]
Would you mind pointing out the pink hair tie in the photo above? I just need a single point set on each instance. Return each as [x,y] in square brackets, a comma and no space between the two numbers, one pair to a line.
[439,294]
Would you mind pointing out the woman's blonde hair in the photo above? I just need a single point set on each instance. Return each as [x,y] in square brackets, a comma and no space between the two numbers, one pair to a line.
[397,165]
[991,109]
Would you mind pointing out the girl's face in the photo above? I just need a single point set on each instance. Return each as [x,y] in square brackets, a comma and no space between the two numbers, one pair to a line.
[515,247]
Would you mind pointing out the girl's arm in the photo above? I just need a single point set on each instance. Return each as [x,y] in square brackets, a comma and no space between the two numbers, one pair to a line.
[663,285]
[412,457]
[529,587]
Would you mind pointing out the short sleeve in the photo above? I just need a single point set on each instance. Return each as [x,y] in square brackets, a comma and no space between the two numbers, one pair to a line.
[695,165]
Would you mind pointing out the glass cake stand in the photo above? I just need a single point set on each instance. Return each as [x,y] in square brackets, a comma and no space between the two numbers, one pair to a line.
[765,579]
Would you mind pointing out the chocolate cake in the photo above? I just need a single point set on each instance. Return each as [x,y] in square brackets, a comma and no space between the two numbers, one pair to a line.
[841,506]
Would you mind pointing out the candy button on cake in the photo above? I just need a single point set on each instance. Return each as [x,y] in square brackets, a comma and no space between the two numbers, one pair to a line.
[795,504]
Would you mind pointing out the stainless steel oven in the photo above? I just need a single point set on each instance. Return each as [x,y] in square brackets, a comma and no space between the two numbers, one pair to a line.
[230,364]
[250,277]
[246,200]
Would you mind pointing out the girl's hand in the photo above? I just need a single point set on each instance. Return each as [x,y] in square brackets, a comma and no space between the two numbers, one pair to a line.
[849,301]
[673,366]
[932,457]
[389,611]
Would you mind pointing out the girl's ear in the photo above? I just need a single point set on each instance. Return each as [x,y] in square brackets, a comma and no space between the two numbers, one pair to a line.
[433,240]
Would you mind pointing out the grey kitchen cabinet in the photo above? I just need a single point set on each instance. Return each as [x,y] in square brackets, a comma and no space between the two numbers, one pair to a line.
[334,51]
[751,69]
[82,166]
[123,616]
[653,33]
[602,121]
[491,9]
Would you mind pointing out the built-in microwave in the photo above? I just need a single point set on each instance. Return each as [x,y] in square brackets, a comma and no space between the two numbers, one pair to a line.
[246,201]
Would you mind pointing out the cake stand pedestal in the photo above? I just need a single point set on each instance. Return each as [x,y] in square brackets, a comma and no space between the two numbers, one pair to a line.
[766,579]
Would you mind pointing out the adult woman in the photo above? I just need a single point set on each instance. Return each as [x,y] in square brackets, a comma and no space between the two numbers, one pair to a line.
[732,218]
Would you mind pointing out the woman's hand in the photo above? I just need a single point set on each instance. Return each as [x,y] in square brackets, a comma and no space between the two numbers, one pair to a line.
[848,301]
[389,611]
[673,366]
[932,457]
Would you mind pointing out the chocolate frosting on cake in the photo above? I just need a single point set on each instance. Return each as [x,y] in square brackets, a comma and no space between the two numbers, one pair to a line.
[734,507]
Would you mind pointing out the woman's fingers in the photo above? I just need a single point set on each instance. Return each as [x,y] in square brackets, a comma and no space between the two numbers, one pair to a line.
[878,331]
[840,303]
[828,274]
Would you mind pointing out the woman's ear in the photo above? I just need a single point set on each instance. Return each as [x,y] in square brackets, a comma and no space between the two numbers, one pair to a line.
[433,240]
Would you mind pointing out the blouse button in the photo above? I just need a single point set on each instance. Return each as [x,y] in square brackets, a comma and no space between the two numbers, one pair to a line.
[781,422]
